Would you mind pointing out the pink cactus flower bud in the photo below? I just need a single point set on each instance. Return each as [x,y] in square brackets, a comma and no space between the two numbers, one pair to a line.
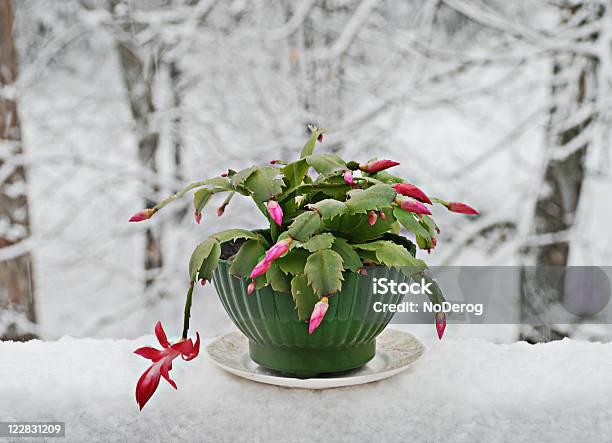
[372,217]
[462,208]
[220,210]
[434,241]
[382,216]
[411,191]
[260,268]
[278,249]
[142,215]
[251,288]
[413,206]
[202,281]
[273,162]
[224,173]
[318,313]
[320,138]
[362,271]
[440,324]
[198,217]
[377,165]
[275,211]
[348,178]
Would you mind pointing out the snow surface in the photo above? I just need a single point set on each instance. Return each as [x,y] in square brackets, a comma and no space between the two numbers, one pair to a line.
[461,390]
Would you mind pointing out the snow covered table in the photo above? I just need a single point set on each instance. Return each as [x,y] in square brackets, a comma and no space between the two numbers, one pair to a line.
[461,390]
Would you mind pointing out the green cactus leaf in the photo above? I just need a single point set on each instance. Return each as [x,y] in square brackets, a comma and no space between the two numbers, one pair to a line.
[303,296]
[319,242]
[370,199]
[305,225]
[247,257]
[324,272]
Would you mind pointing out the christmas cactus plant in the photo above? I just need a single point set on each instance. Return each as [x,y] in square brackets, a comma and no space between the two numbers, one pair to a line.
[343,217]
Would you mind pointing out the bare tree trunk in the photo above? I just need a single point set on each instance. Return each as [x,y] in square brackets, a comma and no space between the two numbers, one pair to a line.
[176,77]
[16,276]
[321,82]
[573,93]
[138,77]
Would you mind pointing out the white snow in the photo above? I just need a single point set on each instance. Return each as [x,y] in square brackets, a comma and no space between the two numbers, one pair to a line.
[461,390]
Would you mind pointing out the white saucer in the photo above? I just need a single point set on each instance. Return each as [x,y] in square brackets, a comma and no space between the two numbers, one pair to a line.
[395,351]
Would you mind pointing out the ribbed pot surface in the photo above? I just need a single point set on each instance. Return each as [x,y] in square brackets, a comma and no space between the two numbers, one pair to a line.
[279,340]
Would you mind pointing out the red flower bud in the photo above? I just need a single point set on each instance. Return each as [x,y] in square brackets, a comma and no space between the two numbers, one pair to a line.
[440,324]
[278,249]
[203,281]
[411,191]
[225,173]
[320,138]
[275,211]
[142,215]
[362,271]
[372,217]
[220,210]
[377,165]
[318,313]
[382,216]
[198,217]
[260,268]
[251,288]
[413,206]
[462,208]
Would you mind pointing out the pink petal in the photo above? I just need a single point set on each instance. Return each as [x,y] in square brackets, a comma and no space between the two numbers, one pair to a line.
[278,249]
[150,353]
[185,347]
[276,212]
[260,268]
[348,178]
[161,335]
[147,384]
[165,369]
[196,349]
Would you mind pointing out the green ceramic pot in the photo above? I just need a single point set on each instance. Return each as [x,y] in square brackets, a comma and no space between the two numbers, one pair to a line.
[346,339]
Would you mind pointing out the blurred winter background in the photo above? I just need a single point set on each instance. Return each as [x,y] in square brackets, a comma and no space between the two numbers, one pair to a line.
[505,105]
